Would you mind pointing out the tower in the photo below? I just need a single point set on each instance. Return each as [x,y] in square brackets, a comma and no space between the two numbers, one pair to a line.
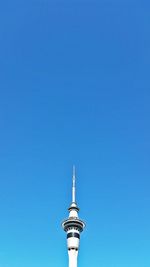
[73,226]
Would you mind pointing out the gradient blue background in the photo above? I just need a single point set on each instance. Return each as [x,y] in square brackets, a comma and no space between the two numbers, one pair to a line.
[75,89]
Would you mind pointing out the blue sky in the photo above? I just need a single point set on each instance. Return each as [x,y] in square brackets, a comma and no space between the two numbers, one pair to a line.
[74,89]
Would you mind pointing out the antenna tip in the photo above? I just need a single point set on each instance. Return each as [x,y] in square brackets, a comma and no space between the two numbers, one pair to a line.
[74,170]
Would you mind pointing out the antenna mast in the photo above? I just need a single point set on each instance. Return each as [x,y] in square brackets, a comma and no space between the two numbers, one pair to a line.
[73,185]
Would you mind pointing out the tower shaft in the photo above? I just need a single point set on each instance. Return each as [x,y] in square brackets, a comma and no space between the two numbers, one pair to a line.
[73,254]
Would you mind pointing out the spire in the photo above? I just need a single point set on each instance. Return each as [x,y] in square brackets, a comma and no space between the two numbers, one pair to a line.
[73,186]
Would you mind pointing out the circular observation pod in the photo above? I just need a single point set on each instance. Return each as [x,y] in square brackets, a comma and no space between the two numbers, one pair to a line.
[73,223]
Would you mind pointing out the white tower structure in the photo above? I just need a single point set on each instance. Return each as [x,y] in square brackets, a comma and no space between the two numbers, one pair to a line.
[73,226]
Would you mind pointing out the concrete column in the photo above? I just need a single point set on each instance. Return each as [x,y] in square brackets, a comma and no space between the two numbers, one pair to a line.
[73,254]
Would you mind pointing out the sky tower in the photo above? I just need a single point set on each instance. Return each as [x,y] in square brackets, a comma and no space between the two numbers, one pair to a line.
[73,226]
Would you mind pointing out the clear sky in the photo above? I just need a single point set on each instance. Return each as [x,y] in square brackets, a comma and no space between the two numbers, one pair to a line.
[75,89]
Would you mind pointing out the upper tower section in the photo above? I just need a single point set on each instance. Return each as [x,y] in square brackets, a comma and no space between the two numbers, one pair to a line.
[73,220]
[73,209]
